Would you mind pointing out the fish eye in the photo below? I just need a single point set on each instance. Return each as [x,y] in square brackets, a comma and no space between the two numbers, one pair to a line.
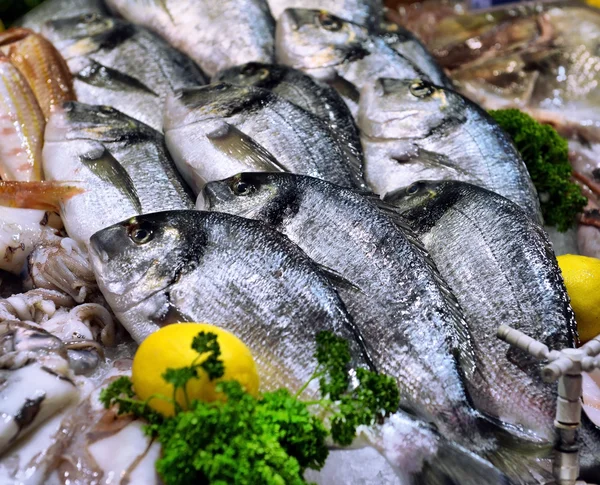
[140,234]
[248,70]
[329,22]
[415,188]
[240,187]
[90,17]
[421,89]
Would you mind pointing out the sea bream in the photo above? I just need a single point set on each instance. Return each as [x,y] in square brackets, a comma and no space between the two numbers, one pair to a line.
[118,64]
[232,272]
[346,55]
[411,324]
[308,93]
[121,164]
[501,267]
[216,35]
[413,130]
[216,131]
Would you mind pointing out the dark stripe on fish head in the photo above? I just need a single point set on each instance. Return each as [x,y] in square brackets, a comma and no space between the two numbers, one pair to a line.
[425,202]
[269,197]
[266,76]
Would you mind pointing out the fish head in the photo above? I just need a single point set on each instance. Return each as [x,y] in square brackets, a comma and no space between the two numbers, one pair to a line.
[85,34]
[214,101]
[318,40]
[251,74]
[419,194]
[138,258]
[76,121]
[405,108]
[78,26]
[245,194]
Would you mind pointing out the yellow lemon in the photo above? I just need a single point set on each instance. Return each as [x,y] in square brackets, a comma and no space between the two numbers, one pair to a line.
[582,279]
[170,347]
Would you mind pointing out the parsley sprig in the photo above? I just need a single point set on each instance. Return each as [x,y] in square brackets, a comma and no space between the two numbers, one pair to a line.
[271,439]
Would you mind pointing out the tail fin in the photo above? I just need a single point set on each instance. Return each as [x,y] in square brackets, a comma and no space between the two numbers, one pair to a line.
[455,465]
[523,458]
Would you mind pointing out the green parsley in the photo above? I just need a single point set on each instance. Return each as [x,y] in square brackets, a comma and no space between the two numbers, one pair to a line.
[272,439]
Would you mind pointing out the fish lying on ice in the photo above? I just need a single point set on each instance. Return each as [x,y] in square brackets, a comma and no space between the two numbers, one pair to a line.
[406,120]
[235,273]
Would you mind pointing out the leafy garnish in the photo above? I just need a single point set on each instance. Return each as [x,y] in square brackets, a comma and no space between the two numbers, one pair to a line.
[546,155]
[272,439]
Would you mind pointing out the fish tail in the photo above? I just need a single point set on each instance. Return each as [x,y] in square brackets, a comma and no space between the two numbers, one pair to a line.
[522,458]
[46,195]
[455,465]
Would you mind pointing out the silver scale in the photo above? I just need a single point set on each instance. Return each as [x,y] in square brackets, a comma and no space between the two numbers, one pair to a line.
[566,366]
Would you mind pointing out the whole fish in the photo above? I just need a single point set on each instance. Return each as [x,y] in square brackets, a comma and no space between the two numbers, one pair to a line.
[122,165]
[402,121]
[216,131]
[54,9]
[409,320]
[217,35]
[411,324]
[501,267]
[228,271]
[336,51]
[408,45]
[304,91]
[115,63]
[362,12]
[21,126]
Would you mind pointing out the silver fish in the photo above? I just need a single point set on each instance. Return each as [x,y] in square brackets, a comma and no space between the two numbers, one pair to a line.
[217,35]
[411,324]
[402,121]
[121,164]
[363,12]
[115,63]
[388,284]
[339,52]
[501,267]
[235,273]
[304,91]
[216,131]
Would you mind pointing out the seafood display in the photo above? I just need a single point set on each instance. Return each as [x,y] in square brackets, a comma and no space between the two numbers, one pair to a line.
[320,182]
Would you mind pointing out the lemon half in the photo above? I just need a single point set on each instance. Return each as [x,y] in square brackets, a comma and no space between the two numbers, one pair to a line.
[582,280]
[170,347]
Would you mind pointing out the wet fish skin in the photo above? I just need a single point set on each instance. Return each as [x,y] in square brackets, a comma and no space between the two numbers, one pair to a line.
[338,52]
[117,64]
[213,133]
[311,95]
[411,325]
[402,119]
[508,275]
[21,126]
[216,35]
[405,43]
[362,12]
[226,270]
[41,64]
[122,165]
